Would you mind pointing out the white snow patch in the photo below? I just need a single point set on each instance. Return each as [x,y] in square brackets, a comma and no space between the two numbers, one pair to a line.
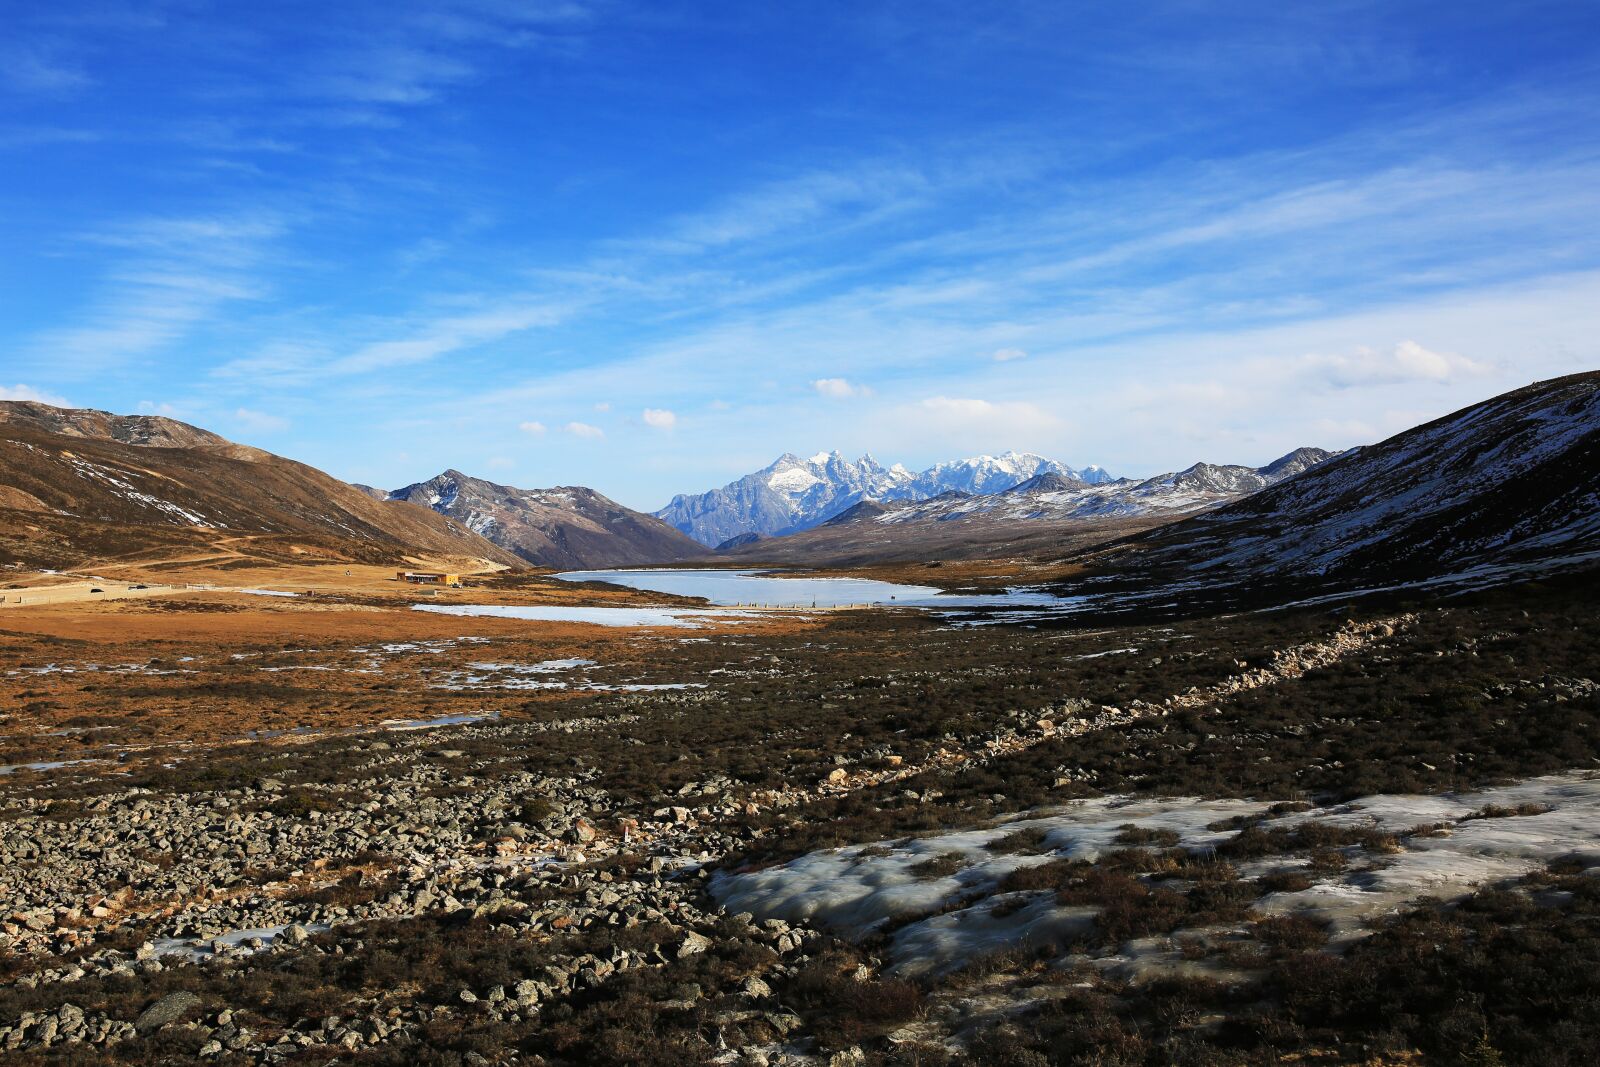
[254,940]
[793,480]
[863,887]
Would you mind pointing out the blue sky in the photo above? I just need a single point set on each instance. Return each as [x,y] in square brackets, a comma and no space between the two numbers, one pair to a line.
[648,246]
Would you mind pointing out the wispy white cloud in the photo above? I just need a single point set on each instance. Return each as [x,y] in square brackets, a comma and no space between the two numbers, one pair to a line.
[402,341]
[44,136]
[389,75]
[801,201]
[447,335]
[259,421]
[1405,362]
[533,428]
[839,388]
[584,430]
[1016,418]
[28,392]
[403,60]
[166,276]
[1120,292]
[660,418]
[42,66]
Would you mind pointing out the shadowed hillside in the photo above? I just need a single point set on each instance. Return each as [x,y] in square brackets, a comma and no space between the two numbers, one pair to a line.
[1511,485]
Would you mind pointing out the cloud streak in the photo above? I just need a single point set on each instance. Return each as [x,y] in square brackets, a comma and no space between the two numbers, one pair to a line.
[1086,232]
[168,275]
[1405,362]
[29,393]
[839,388]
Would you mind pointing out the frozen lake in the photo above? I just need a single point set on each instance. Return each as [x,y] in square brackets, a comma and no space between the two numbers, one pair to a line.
[736,589]
[593,616]
[733,590]
[755,589]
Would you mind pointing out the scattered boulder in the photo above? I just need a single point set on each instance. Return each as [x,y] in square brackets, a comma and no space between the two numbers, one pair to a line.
[169,1009]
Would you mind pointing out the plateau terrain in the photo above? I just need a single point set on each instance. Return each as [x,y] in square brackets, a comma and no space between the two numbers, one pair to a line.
[583,533]
[1297,764]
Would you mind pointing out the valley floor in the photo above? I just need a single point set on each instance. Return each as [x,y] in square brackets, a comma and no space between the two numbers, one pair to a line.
[242,828]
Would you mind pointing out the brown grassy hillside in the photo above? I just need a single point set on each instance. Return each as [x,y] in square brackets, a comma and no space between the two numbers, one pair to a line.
[84,485]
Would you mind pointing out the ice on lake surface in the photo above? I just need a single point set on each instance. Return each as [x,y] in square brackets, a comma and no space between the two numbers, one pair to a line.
[762,589]
[748,589]
[443,720]
[45,765]
[594,616]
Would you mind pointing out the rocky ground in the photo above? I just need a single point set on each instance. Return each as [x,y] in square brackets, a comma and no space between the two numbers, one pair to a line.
[543,879]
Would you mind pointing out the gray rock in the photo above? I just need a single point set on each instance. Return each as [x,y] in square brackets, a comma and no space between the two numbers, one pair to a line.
[166,1010]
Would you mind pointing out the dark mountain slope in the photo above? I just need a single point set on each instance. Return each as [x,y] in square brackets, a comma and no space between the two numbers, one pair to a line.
[1510,483]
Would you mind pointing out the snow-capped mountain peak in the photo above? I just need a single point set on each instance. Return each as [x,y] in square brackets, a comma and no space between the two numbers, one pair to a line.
[794,494]
[1094,474]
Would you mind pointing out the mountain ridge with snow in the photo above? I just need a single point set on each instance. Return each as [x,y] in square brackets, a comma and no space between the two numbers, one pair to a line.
[1048,509]
[794,493]
[564,527]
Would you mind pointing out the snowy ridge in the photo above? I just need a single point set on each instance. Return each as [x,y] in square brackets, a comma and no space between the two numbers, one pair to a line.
[1052,496]
[795,493]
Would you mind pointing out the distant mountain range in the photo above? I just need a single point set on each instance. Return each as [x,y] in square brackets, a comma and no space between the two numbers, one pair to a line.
[1054,496]
[794,494]
[1050,508]
[79,485]
[1513,482]
[569,526]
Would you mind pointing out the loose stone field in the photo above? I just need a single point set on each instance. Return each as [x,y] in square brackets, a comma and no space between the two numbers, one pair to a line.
[296,832]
